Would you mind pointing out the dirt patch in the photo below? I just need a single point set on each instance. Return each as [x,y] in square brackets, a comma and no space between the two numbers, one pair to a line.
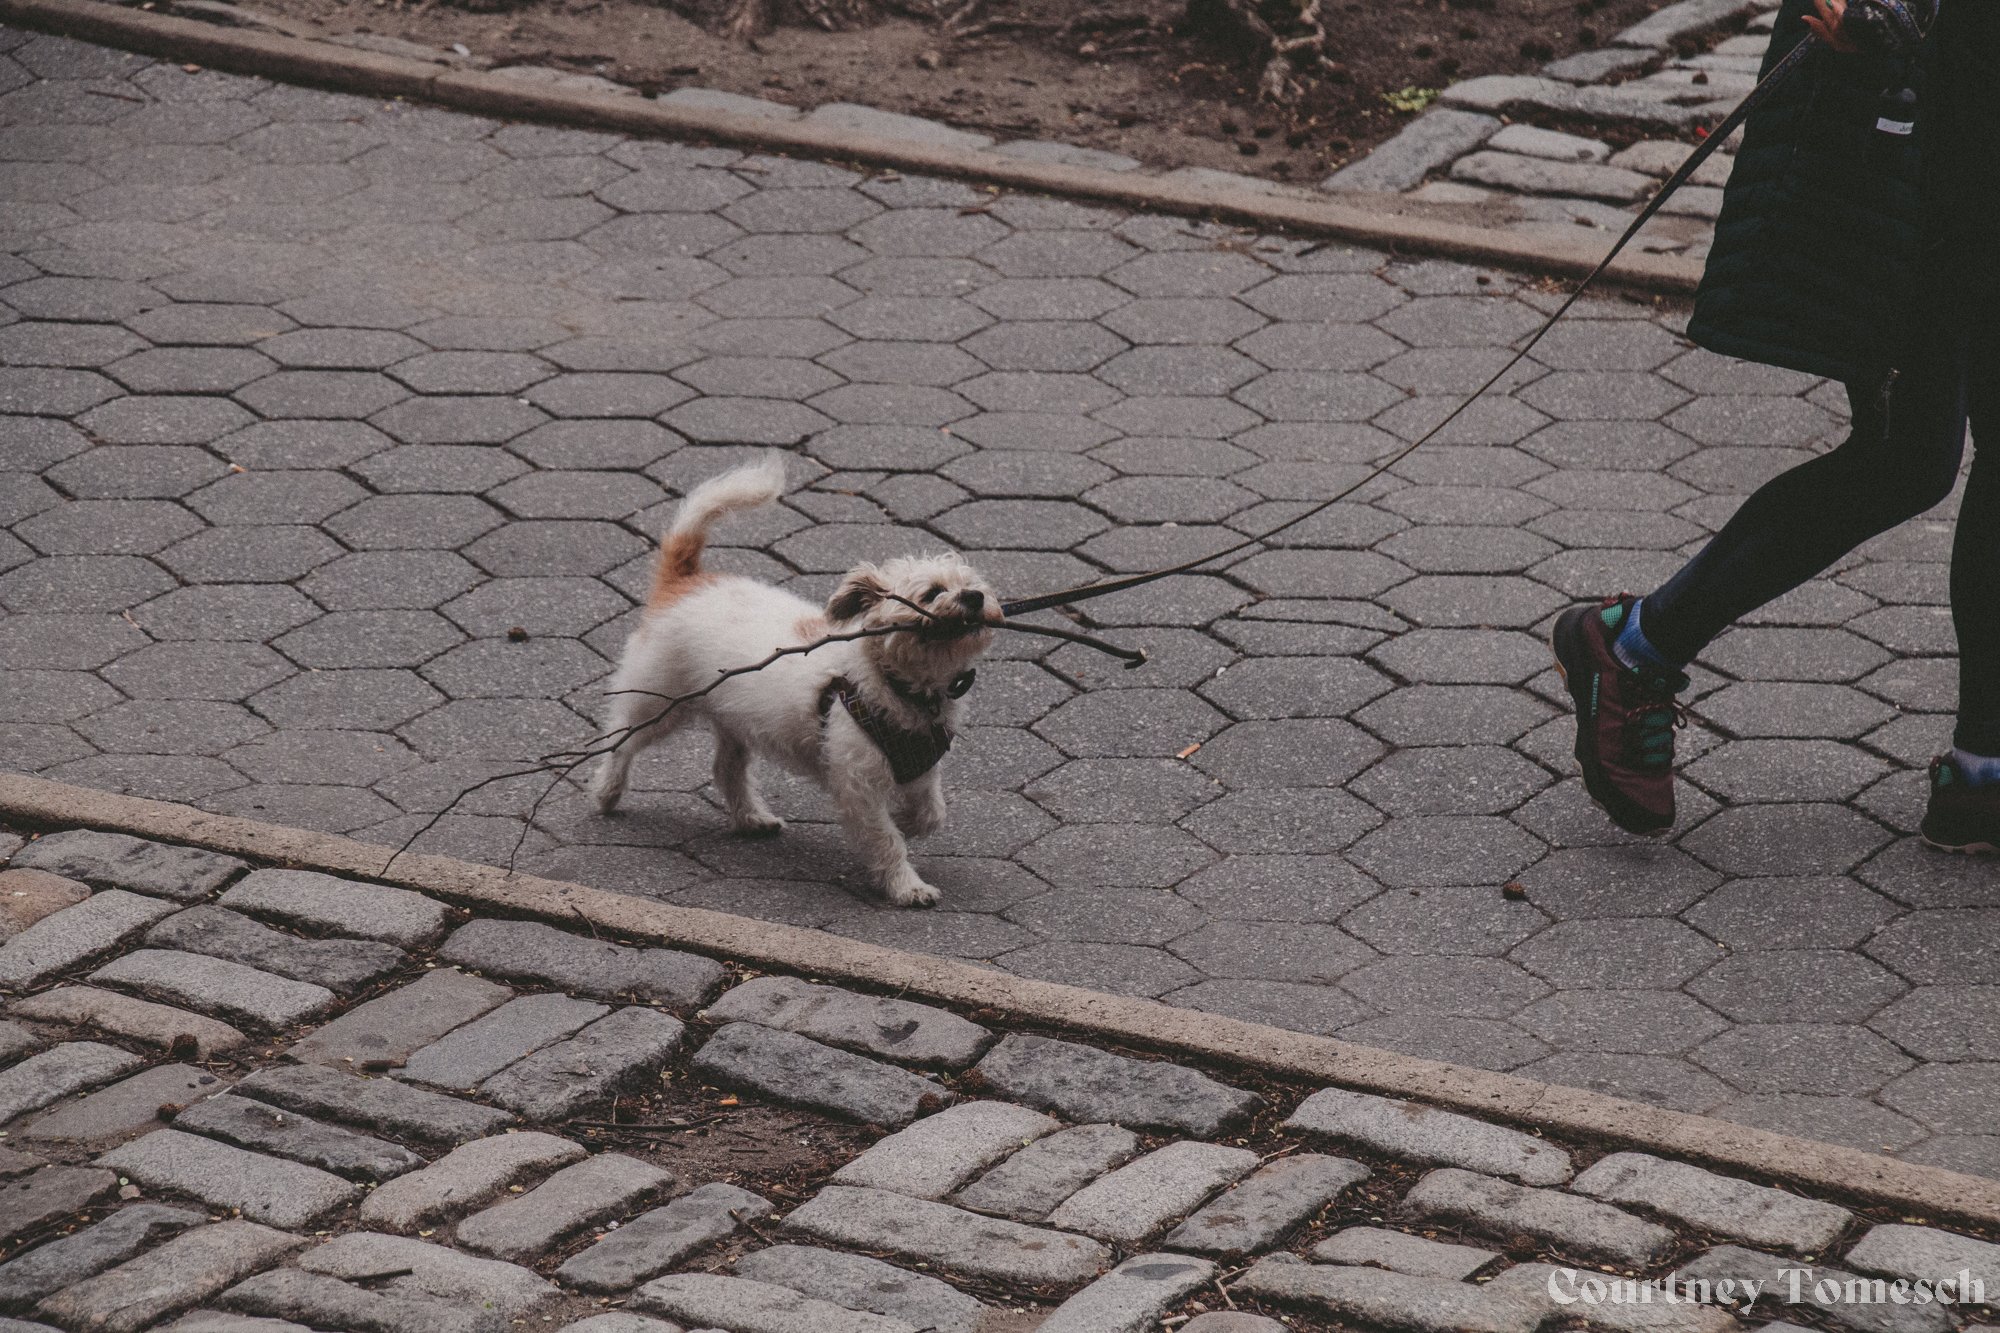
[1128,76]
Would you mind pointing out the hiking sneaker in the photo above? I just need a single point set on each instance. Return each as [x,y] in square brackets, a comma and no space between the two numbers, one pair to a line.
[1625,719]
[1962,816]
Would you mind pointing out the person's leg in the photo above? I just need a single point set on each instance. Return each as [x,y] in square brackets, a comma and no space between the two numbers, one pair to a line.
[1622,660]
[1963,814]
[1975,559]
[1894,465]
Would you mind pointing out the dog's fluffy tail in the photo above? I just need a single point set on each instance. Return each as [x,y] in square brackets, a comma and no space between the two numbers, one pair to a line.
[743,487]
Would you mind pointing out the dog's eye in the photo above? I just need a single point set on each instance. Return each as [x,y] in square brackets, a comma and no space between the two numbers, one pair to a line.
[932,593]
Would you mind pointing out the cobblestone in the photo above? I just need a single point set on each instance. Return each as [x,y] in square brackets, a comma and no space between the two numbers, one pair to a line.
[86,1253]
[870,1285]
[798,1070]
[157,1025]
[1736,1263]
[266,1129]
[1400,1252]
[469,1055]
[163,1282]
[1579,1226]
[534,952]
[614,1052]
[345,906]
[1427,1134]
[63,940]
[235,993]
[292,1294]
[756,1307]
[47,1194]
[656,1241]
[1082,1083]
[1754,1214]
[57,1072]
[382,1105]
[116,860]
[337,965]
[1921,1252]
[1028,1186]
[892,1029]
[1132,1296]
[1259,1210]
[947,1238]
[391,1027]
[26,896]
[1141,1198]
[939,1153]
[594,1190]
[1394,1300]
[122,1110]
[465,1178]
[413,1267]
[263,1189]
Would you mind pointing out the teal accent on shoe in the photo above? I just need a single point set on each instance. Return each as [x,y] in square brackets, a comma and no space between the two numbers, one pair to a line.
[1613,616]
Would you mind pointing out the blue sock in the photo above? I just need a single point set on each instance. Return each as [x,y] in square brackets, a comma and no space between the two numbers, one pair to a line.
[1635,650]
[1979,769]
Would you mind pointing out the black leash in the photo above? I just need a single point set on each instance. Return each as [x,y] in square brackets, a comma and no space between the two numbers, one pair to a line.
[1706,149]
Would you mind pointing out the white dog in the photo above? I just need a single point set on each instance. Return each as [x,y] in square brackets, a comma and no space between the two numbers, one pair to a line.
[868,719]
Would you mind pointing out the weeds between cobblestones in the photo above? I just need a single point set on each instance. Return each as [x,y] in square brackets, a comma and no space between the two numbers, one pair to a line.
[370,1163]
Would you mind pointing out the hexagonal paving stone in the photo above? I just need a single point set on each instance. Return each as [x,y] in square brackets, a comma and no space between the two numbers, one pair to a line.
[1815,1058]
[1635,1022]
[1771,709]
[1777,770]
[1314,752]
[1294,687]
[1752,421]
[1937,946]
[1797,986]
[1437,851]
[1468,987]
[369,639]
[1785,840]
[1130,723]
[1092,856]
[1432,922]
[1334,298]
[1467,780]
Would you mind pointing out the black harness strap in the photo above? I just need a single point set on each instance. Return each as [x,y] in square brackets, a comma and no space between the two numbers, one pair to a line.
[1779,73]
[911,754]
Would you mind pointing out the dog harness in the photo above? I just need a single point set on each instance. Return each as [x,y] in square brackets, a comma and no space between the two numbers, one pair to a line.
[911,754]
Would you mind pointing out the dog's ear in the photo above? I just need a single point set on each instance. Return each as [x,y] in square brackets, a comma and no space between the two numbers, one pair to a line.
[861,589]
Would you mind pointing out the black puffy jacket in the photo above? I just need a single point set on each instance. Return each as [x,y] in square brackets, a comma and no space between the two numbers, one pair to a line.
[1821,245]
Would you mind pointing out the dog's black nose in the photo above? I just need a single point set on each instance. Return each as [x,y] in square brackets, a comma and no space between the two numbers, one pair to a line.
[972,600]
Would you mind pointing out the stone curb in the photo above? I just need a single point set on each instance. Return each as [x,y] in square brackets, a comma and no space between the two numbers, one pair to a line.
[1823,1168]
[298,60]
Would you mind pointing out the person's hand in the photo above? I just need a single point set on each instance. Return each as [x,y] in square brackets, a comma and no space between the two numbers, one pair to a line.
[1826,26]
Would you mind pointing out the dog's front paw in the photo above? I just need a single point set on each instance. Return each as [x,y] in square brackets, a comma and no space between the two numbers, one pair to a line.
[762,824]
[904,887]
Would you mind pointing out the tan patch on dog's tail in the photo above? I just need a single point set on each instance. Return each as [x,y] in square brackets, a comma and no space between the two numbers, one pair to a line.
[679,571]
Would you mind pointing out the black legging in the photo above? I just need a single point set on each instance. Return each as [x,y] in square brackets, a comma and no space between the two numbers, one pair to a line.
[1900,460]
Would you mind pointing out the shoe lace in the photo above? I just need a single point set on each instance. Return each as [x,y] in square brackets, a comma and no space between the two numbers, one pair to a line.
[1650,741]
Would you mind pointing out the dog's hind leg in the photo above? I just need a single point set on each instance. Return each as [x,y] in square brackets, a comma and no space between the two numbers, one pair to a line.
[747,812]
[628,721]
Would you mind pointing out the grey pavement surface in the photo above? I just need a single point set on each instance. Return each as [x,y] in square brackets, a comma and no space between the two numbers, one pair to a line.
[339,432]
[434,1197]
